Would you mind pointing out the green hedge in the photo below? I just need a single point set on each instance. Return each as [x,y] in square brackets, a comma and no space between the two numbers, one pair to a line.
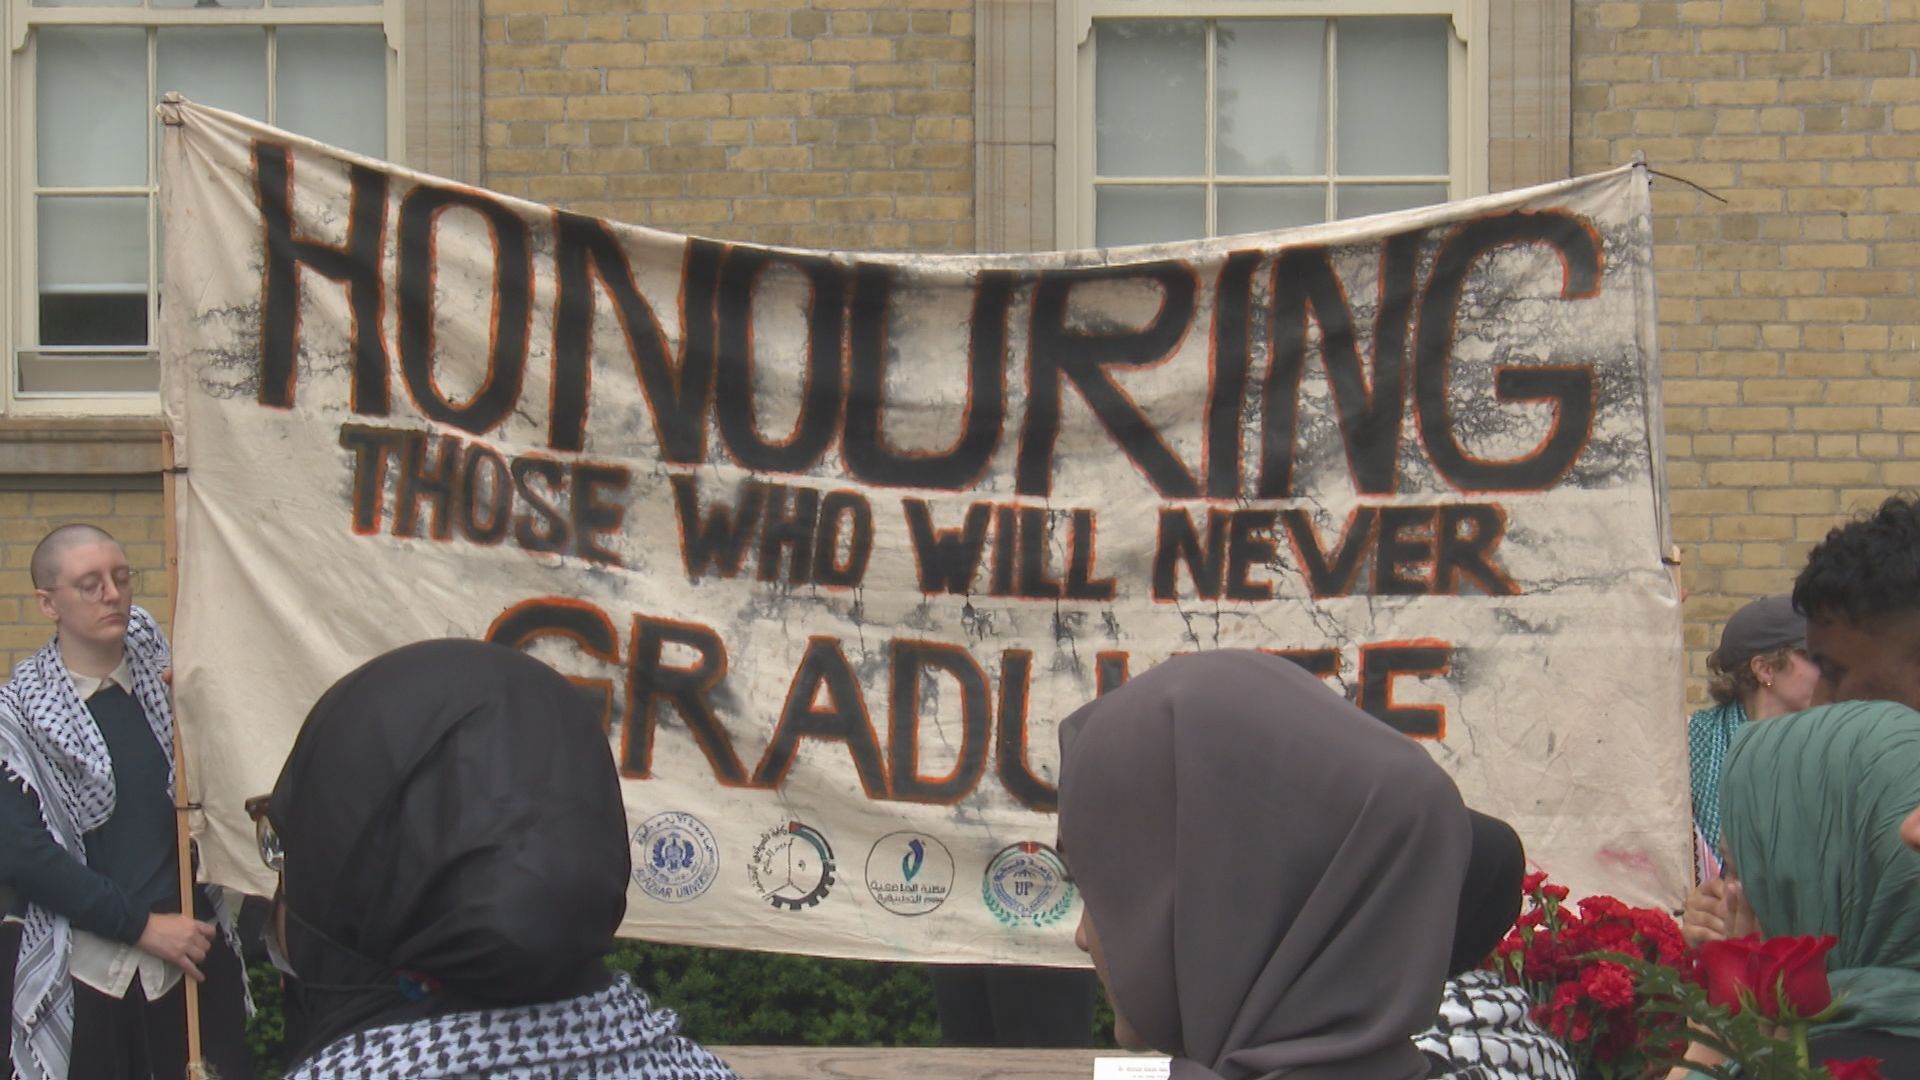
[740,999]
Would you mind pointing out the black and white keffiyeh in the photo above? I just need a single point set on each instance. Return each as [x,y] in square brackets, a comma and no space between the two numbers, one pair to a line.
[614,1033]
[1484,1032]
[51,747]
[42,1007]
[61,732]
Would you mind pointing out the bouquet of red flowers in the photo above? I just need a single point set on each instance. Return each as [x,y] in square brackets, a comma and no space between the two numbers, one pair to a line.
[1570,958]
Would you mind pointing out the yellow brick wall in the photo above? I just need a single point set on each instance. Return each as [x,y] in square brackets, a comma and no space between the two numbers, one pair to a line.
[1789,328]
[132,515]
[820,123]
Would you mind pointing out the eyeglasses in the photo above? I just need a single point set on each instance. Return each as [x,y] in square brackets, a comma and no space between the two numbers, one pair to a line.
[94,586]
[271,852]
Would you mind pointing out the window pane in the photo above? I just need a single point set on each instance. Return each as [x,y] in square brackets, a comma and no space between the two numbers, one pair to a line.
[1393,96]
[1150,98]
[1271,87]
[332,84]
[92,106]
[1258,209]
[93,271]
[225,67]
[1359,200]
[1148,215]
[324,3]
[86,3]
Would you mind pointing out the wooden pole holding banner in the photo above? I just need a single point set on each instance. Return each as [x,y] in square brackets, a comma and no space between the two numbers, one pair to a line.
[196,1065]
[1680,590]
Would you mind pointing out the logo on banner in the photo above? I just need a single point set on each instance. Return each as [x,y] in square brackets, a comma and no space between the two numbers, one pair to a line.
[909,873]
[678,857]
[792,866]
[1026,885]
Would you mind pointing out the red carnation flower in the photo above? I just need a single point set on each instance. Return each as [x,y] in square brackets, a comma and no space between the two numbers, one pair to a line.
[1608,984]
[1600,907]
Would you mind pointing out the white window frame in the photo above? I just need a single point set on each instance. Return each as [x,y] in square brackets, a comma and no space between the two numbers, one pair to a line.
[19,180]
[1468,69]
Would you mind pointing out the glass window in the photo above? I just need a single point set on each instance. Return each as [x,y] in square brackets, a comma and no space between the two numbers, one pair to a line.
[332,85]
[92,255]
[1393,97]
[1150,99]
[91,115]
[1215,126]
[225,67]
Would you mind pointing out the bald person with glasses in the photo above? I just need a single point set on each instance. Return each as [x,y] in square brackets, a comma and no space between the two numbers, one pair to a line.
[88,840]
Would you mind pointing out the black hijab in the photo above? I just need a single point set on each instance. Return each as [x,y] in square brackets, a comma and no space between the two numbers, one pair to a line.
[1490,897]
[454,839]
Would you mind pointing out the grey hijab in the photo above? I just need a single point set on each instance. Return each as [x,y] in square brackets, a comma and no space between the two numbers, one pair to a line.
[1273,873]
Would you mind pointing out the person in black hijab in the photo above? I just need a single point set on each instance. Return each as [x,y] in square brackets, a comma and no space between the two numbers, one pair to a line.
[454,867]
[1490,897]
[1485,1028]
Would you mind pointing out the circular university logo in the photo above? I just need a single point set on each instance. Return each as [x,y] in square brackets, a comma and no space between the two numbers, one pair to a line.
[1026,885]
[909,873]
[792,866]
[676,857]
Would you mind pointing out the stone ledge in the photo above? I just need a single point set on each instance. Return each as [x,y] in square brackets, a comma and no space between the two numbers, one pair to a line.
[70,446]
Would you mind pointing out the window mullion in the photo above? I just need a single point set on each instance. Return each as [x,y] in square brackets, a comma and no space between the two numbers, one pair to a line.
[153,189]
[1333,117]
[22,297]
[319,15]
[273,75]
[1300,181]
[1210,221]
[129,191]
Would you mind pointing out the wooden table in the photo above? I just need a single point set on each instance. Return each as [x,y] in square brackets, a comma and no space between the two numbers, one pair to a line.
[867,1063]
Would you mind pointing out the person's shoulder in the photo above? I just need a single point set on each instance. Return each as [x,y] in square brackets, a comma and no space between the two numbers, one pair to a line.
[13,709]
[141,624]
[17,758]
[30,676]
[146,642]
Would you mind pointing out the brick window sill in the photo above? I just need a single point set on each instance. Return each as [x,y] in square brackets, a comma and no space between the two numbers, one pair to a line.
[34,451]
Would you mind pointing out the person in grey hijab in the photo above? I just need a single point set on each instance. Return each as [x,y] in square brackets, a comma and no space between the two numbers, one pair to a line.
[1270,875]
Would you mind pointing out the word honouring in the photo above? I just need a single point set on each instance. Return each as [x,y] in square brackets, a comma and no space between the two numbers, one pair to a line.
[1027,327]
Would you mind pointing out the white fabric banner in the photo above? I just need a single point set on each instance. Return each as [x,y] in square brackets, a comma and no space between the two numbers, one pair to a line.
[836,539]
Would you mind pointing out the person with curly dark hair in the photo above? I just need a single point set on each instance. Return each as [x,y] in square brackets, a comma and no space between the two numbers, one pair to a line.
[1860,592]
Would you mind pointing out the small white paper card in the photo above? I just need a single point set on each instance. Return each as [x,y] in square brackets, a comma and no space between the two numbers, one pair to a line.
[1142,1067]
